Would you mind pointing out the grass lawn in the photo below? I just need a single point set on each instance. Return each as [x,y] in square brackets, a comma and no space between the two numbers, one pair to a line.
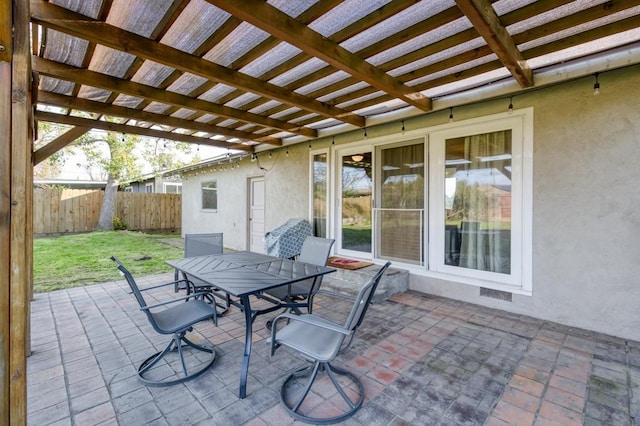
[76,260]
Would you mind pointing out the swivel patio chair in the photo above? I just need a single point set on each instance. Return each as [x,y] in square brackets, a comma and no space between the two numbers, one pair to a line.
[292,298]
[202,245]
[176,320]
[319,340]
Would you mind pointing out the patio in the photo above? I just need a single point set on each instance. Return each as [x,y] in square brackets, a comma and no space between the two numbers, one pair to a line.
[423,360]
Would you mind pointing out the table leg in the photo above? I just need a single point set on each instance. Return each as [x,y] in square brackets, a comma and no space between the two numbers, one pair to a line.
[246,306]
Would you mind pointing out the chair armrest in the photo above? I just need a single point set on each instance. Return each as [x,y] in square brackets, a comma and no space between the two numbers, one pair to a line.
[307,319]
[335,294]
[177,299]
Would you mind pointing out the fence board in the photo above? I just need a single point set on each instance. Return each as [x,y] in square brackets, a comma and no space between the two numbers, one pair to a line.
[77,210]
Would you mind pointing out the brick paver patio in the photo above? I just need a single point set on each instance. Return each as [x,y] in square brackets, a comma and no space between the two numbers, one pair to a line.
[423,360]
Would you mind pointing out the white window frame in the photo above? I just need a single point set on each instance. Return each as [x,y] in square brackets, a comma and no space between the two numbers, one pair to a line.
[202,189]
[520,122]
[176,184]
[148,188]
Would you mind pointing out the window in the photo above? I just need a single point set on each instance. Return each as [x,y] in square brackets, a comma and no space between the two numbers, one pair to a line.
[148,187]
[319,205]
[172,188]
[210,195]
[480,200]
[128,189]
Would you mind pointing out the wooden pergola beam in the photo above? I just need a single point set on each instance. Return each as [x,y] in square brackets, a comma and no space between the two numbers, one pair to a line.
[58,18]
[113,84]
[58,143]
[63,101]
[485,20]
[277,23]
[124,128]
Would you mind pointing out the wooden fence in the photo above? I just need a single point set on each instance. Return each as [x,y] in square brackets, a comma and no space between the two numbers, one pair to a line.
[60,211]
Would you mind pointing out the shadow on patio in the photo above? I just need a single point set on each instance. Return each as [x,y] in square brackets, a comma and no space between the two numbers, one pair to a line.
[423,360]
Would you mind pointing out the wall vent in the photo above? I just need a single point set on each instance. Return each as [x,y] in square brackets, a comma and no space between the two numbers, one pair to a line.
[496,294]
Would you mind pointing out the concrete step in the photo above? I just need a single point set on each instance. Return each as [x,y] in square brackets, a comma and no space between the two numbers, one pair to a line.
[350,282]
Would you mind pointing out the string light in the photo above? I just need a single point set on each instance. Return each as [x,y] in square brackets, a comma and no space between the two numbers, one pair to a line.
[365,132]
[510,107]
[402,127]
[596,86]
[333,140]
[309,145]
[450,114]
[270,155]
[254,157]
[287,153]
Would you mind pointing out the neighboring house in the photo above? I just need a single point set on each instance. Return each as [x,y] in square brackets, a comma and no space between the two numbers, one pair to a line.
[534,210]
[69,183]
[160,184]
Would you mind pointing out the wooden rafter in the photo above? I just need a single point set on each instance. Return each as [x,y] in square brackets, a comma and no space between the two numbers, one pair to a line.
[84,27]
[70,102]
[123,128]
[103,81]
[58,143]
[281,25]
[486,22]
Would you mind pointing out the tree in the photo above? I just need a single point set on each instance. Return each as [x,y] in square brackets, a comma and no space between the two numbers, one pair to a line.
[52,166]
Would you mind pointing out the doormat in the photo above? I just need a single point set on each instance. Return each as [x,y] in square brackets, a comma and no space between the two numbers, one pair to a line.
[351,264]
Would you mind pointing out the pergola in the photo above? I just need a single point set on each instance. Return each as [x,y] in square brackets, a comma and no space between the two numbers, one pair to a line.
[248,74]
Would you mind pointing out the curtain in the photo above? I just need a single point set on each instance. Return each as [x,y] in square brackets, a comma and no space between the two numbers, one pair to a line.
[483,197]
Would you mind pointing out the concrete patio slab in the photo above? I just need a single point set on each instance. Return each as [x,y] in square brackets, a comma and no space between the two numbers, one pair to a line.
[423,360]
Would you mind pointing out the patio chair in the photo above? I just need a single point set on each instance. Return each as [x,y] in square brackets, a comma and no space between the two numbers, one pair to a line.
[202,245]
[176,319]
[292,298]
[319,340]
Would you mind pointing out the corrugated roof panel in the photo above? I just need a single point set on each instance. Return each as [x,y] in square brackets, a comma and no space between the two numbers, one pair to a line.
[202,19]
[453,70]
[265,107]
[505,6]
[342,92]
[323,82]
[138,16]
[285,112]
[242,100]
[227,123]
[183,113]
[89,8]
[93,93]
[127,101]
[276,56]
[157,107]
[305,117]
[216,92]
[112,62]
[292,8]
[360,99]
[344,14]
[152,73]
[206,118]
[186,83]
[468,83]
[408,17]
[438,57]
[52,84]
[447,30]
[244,38]
[294,74]
[64,48]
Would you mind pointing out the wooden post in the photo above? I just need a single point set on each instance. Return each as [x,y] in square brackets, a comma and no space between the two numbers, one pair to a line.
[16,227]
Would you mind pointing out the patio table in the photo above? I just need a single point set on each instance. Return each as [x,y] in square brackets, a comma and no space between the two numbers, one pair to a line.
[242,274]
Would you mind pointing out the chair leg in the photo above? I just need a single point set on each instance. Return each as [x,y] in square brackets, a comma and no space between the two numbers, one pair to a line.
[177,343]
[312,372]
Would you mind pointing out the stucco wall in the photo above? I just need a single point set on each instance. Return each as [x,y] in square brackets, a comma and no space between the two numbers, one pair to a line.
[586,202]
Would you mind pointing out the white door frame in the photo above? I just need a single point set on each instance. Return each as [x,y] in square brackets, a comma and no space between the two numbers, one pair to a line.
[255,218]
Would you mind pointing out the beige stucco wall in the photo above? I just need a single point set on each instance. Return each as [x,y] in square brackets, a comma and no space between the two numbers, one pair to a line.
[586,202]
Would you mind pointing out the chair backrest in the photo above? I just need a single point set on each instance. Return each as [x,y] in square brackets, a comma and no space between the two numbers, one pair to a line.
[202,244]
[363,299]
[315,250]
[132,283]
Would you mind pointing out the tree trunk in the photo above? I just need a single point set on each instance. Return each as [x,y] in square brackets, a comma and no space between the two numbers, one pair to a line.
[105,223]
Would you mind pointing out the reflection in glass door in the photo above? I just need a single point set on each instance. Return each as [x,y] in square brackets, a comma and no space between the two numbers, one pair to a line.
[356,202]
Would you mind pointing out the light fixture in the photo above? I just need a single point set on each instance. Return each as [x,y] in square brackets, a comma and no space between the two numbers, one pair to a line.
[287,153]
[450,114]
[270,154]
[510,107]
[309,145]
[402,130]
[333,140]
[596,86]
[357,158]
[254,156]
[365,132]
